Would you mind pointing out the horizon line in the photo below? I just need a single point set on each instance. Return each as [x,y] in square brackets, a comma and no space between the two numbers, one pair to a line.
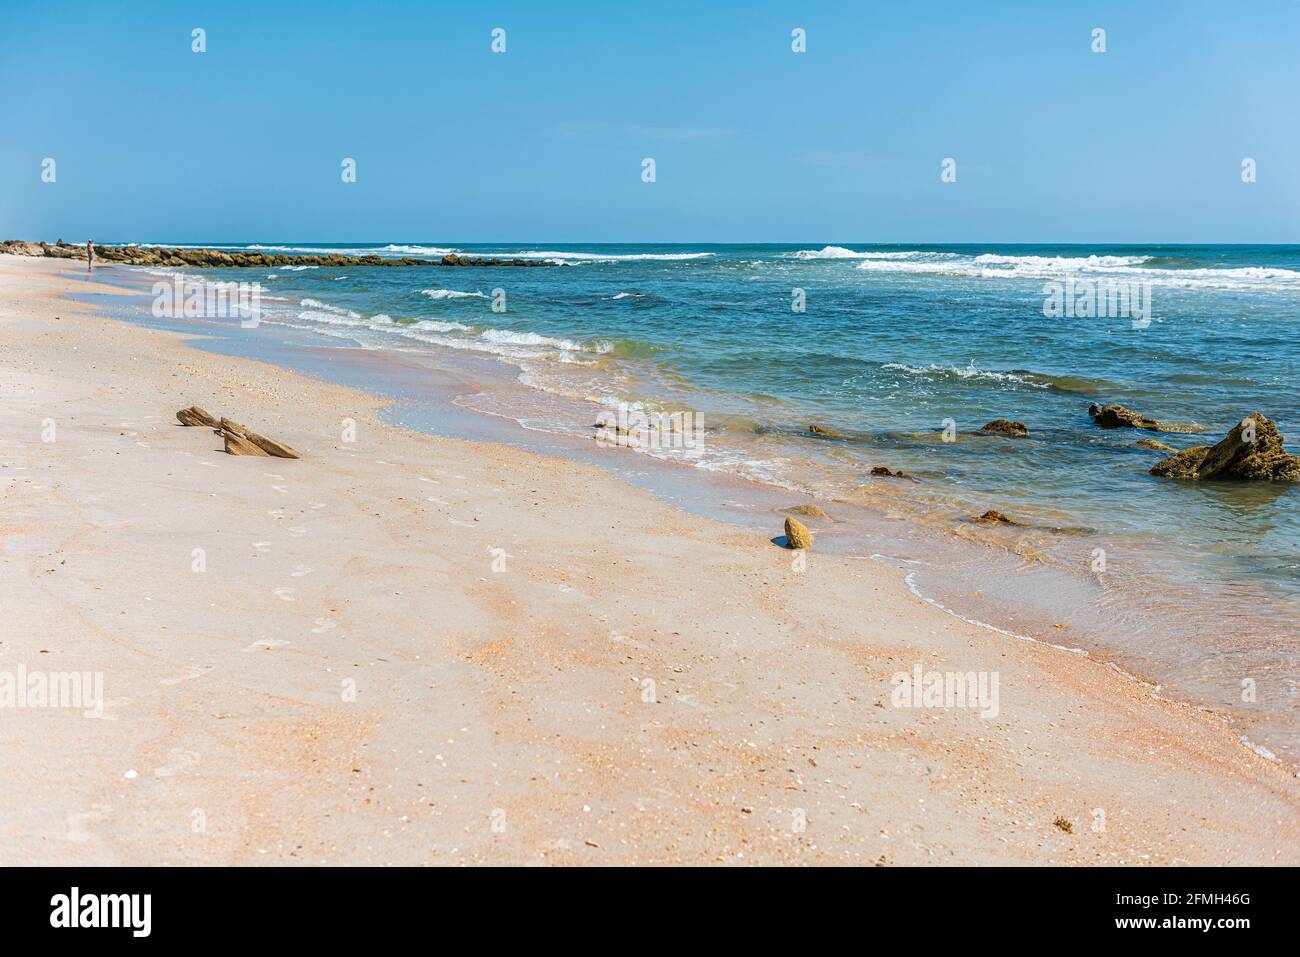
[602,242]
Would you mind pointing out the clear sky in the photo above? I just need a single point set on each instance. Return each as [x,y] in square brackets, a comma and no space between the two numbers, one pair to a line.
[752,142]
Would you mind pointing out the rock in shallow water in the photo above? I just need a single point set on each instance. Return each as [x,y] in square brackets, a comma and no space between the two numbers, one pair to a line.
[1005,427]
[1116,416]
[809,510]
[1252,452]
[824,433]
[1112,415]
[1155,446]
[993,518]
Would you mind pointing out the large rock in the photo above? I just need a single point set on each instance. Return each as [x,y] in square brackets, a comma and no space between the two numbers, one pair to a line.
[797,534]
[1240,456]
[1005,427]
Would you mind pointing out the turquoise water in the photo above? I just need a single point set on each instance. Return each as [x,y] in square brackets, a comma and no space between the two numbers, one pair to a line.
[894,340]
[894,343]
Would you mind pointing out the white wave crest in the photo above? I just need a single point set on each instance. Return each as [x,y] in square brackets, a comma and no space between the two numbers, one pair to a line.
[326,307]
[418,250]
[959,372]
[451,294]
[1061,262]
[532,339]
[840,252]
[576,257]
[436,325]
[1118,268]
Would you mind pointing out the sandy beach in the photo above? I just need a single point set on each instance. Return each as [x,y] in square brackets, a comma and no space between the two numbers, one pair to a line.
[402,649]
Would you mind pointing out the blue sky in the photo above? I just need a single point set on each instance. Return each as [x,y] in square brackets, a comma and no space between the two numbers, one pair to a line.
[752,142]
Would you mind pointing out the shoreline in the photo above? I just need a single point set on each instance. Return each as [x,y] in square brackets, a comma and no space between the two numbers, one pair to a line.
[523,631]
[1014,580]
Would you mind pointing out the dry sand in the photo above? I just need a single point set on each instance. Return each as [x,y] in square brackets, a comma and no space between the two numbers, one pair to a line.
[506,716]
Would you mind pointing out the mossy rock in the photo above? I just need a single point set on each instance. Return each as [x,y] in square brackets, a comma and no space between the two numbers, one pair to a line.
[1017,430]
[1252,452]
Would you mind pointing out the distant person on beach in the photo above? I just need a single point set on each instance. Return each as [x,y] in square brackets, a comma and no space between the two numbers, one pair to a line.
[90,256]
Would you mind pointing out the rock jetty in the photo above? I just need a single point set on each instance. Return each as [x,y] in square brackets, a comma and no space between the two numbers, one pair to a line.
[221,259]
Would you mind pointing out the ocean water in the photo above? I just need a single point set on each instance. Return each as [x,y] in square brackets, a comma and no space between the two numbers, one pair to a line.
[1196,585]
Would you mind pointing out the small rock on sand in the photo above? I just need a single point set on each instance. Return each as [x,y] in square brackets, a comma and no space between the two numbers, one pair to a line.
[797,534]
